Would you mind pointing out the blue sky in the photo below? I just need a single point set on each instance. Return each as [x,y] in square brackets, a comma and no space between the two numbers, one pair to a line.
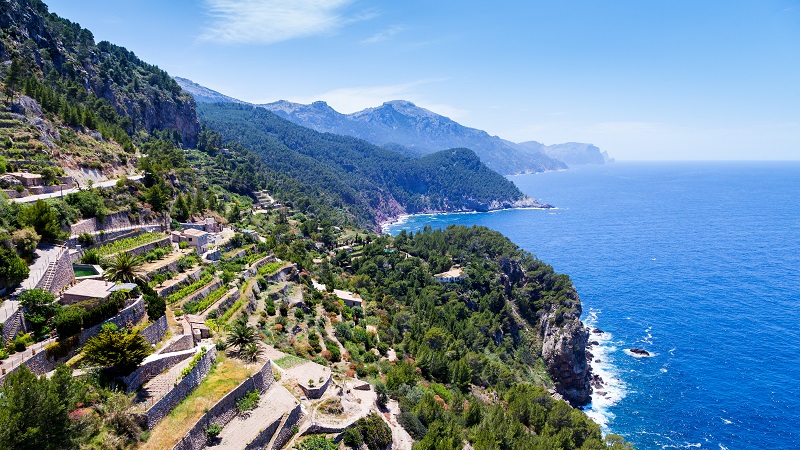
[642,80]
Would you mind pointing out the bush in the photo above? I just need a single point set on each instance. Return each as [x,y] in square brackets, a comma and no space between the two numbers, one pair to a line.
[25,240]
[213,431]
[91,257]
[86,239]
[183,245]
[68,321]
[156,306]
[248,401]
[352,438]
[88,203]
[376,434]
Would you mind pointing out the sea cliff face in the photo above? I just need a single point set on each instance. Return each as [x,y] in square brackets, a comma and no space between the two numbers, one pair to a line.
[564,339]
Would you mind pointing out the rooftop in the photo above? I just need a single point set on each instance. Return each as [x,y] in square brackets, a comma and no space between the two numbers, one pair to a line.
[347,295]
[454,272]
[193,232]
[92,288]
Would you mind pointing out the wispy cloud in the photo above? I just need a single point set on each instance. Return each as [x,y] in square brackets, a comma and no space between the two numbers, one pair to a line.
[384,35]
[270,21]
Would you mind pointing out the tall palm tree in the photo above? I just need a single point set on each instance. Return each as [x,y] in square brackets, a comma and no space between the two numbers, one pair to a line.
[125,268]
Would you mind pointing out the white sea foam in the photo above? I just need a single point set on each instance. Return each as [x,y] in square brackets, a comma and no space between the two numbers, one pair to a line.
[614,388]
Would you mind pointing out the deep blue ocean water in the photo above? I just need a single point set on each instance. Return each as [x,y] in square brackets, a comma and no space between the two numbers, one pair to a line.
[696,262]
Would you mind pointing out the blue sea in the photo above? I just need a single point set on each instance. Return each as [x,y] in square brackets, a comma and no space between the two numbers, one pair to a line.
[696,262]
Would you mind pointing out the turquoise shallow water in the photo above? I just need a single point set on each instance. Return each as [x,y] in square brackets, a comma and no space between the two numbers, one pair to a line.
[696,262]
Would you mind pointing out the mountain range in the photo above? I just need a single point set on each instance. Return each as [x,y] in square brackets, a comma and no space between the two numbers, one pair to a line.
[407,128]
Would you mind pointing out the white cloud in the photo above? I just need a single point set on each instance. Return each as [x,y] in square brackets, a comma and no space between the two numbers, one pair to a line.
[270,21]
[384,35]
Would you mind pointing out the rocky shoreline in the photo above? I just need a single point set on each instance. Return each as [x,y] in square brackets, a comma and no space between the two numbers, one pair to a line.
[526,203]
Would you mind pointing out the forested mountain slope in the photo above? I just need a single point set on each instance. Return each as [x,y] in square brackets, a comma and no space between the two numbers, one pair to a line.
[373,183]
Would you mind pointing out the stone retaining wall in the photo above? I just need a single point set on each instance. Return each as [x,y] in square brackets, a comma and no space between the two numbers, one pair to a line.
[148,370]
[225,409]
[130,315]
[63,274]
[111,221]
[286,431]
[156,331]
[185,387]
[143,249]
[178,343]
[280,275]
[264,436]
[190,278]
[41,364]
[232,296]
[12,323]
[203,293]
[316,392]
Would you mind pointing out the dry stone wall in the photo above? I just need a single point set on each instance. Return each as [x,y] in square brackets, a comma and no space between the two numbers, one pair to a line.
[189,279]
[287,430]
[203,293]
[225,409]
[185,387]
[150,369]
[156,331]
[178,343]
[130,315]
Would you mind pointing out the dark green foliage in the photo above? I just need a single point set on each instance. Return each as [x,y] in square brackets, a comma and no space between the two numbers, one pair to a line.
[374,431]
[34,411]
[247,402]
[68,321]
[43,219]
[121,351]
[317,443]
[89,203]
[156,306]
[240,334]
[124,267]
[352,438]
[353,174]
[13,269]
[39,306]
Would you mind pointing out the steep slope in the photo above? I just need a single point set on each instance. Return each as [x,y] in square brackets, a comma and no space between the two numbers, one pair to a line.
[203,94]
[373,183]
[109,81]
[401,123]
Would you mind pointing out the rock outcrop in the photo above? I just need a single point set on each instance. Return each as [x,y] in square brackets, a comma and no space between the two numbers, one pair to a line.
[564,340]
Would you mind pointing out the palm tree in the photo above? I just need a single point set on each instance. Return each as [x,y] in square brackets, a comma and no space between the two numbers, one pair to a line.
[240,335]
[125,268]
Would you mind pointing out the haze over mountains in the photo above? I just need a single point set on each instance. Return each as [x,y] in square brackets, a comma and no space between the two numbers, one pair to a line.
[404,127]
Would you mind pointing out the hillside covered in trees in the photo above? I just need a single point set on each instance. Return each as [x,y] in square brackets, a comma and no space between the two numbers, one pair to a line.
[371,182]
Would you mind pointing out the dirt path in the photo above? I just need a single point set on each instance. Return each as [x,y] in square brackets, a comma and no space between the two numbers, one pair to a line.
[401,440]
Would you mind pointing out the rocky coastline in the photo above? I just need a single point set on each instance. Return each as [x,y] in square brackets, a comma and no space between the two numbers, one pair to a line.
[387,222]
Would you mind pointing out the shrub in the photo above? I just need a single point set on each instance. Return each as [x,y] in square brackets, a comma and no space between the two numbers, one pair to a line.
[91,257]
[68,321]
[183,245]
[25,240]
[213,431]
[352,438]
[86,239]
[376,434]
[156,306]
[248,401]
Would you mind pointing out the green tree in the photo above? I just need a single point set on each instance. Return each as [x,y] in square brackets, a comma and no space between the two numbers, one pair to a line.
[39,306]
[124,267]
[25,240]
[119,350]
[13,269]
[34,411]
[180,210]
[157,198]
[377,435]
[43,219]
[240,335]
[88,203]
[13,77]
[316,442]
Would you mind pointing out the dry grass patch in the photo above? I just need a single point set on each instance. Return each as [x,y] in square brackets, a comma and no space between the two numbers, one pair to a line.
[226,375]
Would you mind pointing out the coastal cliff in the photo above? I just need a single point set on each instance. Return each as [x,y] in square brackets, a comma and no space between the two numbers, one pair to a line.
[564,340]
